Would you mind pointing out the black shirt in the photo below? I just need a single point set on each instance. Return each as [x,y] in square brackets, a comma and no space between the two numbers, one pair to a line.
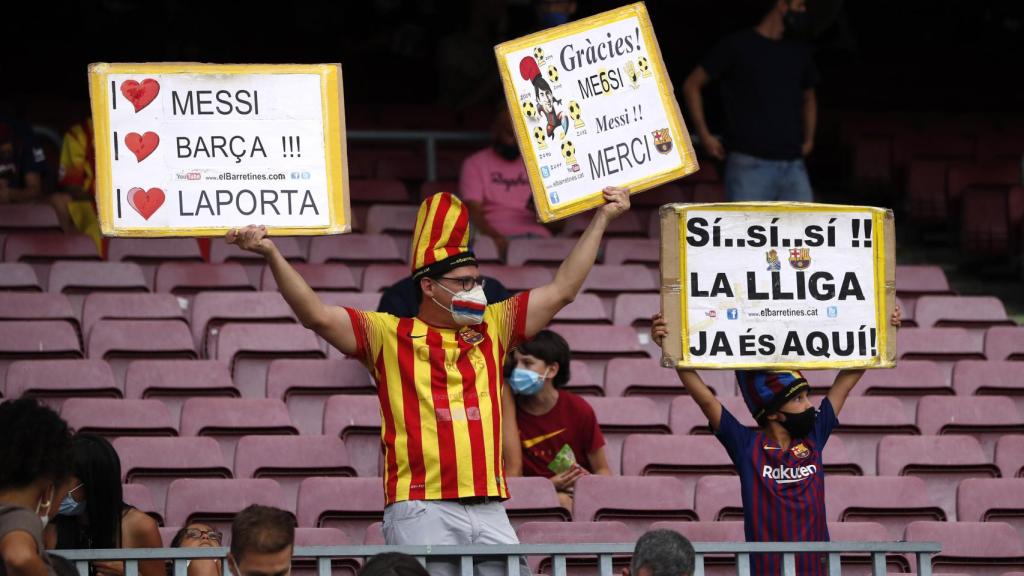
[762,82]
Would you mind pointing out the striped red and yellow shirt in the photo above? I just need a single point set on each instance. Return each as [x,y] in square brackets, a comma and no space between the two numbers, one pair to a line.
[440,399]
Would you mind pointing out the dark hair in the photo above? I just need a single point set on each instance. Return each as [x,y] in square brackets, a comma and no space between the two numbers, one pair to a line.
[393,564]
[664,553]
[36,444]
[98,468]
[550,347]
[261,529]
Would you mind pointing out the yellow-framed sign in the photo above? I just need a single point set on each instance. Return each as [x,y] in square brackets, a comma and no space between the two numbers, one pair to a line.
[187,149]
[593,106]
[777,285]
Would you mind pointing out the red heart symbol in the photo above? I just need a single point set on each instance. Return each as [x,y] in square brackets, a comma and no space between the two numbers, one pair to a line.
[142,146]
[146,202]
[140,95]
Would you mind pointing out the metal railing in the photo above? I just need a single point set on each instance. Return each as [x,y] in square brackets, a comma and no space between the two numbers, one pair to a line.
[510,554]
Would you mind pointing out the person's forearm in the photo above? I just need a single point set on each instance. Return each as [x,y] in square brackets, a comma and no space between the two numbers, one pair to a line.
[304,302]
[571,274]
[695,104]
[810,116]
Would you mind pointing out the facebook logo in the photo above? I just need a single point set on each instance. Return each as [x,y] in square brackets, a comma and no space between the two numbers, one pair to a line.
[732,314]
[833,311]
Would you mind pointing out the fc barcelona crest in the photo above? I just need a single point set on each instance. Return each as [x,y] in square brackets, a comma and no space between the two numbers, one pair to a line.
[800,258]
[470,336]
[662,140]
[800,451]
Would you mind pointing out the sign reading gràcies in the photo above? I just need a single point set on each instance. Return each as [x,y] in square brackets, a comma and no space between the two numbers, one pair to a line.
[198,149]
[593,106]
[777,285]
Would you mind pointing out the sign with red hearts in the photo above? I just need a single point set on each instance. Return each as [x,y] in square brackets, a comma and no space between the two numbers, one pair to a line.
[197,149]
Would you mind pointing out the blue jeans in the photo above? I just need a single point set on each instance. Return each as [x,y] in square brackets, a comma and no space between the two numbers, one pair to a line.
[752,179]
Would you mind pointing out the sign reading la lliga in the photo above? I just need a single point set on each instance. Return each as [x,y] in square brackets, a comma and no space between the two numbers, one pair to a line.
[593,106]
[197,149]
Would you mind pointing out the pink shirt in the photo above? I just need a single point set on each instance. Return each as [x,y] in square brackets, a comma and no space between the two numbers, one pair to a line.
[503,190]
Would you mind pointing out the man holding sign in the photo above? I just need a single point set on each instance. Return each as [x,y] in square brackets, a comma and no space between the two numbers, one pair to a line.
[439,374]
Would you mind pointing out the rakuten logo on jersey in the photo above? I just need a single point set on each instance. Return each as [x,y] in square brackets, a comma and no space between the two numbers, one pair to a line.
[787,475]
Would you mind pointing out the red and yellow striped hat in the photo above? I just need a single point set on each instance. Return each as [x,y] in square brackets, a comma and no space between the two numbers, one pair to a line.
[440,242]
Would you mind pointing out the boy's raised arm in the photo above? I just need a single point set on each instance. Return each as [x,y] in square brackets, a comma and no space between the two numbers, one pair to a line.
[695,386]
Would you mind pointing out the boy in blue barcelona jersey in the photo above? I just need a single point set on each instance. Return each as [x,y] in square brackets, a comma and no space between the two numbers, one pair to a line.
[781,475]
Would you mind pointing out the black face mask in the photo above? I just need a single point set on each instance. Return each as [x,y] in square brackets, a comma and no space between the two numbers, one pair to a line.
[506,151]
[799,424]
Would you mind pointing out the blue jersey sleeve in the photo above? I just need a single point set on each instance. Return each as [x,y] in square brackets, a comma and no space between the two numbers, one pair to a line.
[825,423]
[734,436]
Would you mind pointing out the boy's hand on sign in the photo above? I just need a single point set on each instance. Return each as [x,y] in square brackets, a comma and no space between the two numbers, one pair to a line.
[252,238]
[897,317]
[659,329]
[617,202]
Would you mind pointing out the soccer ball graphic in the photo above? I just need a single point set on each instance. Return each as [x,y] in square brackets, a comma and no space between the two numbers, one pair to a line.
[538,53]
[644,66]
[540,137]
[553,73]
[529,109]
[569,151]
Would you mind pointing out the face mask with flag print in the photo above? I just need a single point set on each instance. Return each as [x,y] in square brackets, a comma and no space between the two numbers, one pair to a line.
[468,306]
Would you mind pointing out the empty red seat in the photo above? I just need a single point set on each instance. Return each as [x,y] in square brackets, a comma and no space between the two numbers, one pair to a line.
[156,462]
[718,498]
[546,251]
[990,220]
[908,381]
[391,218]
[989,378]
[632,251]
[974,313]
[356,420]
[606,278]
[121,341]
[304,385]
[620,417]
[582,380]
[892,501]
[992,499]
[941,461]
[633,309]
[33,218]
[33,306]
[52,381]
[228,419]
[36,340]
[628,224]
[979,548]
[1004,343]
[290,459]
[320,277]
[600,341]
[354,300]
[579,532]
[485,250]
[18,277]
[150,252]
[646,377]
[914,281]
[377,277]
[187,278]
[101,306]
[634,501]
[519,278]
[962,176]
[429,188]
[866,532]
[72,277]
[212,310]
[293,249]
[942,345]
[585,309]
[686,417]
[532,499]
[1010,456]
[355,248]
[986,418]
[115,417]
[348,504]
[138,496]
[838,461]
[865,420]
[40,250]
[215,501]
[378,191]
[174,381]
[685,458]
[249,348]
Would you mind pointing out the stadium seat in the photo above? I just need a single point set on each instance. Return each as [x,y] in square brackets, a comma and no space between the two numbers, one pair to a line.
[30,306]
[378,277]
[320,277]
[155,462]
[52,381]
[323,537]
[101,306]
[579,532]
[914,281]
[122,341]
[944,346]
[620,417]
[185,279]
[867,419]
[1010,456]
[725,531]
[249,348]
[519,278]
[290,459]
[174,381]
[485,250]
[228,419]
[215,501]
[585,309]
[348,504]
[628,224]
[685,458]
[212,310]
[872,161]
[616,279]
[290,247]
[839,462]
[686,417]
[892,501]
[973,313]
[304,386]
[391,218]
[646,251]
[366,301]
[378,191]
[986,418]
[961,177]
[550,252]
[990,221]
[429,188]
[941,461]
[114,417]
[355,249]
[992,499]
[582,380]
[631,309]
[138,496]
[908,382]
[150,252]
[861,564]
[718,498]
[41,250]
[597,344]
[357,421]
[375,535]
[645,377]
[76,279]
[28,218]
[634,501]
[678,191]
[533,499]
[1004,343]
[979,548]
[38,340]
[989,378]
[18,277]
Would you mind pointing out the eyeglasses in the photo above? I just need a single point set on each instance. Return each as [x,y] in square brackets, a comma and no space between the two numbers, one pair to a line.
[467,283]
[196,534]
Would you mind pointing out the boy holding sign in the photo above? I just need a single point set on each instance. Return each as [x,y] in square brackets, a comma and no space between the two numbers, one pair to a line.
[782,478]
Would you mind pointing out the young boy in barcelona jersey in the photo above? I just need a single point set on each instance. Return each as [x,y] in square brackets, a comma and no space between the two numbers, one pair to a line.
[439,374]
[782,478]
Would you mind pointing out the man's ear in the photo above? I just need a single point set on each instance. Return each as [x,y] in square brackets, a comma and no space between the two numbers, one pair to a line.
[427,286]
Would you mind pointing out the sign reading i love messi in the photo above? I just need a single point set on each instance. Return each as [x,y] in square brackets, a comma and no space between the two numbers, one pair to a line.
[197,149]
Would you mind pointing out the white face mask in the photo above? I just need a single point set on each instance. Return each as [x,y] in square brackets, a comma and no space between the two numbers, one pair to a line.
[43,507]
[467,305]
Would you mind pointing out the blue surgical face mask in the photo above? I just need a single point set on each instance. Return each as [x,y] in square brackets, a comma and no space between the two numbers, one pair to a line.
[525,382]
[71,507]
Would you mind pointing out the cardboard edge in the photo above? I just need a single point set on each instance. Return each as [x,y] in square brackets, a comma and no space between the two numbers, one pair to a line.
[670,285]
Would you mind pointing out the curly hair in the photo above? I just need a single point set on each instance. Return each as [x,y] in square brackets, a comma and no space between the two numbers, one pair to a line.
[37,444]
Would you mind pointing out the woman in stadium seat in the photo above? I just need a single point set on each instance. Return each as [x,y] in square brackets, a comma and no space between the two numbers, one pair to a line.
[199,535]
[93,515]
